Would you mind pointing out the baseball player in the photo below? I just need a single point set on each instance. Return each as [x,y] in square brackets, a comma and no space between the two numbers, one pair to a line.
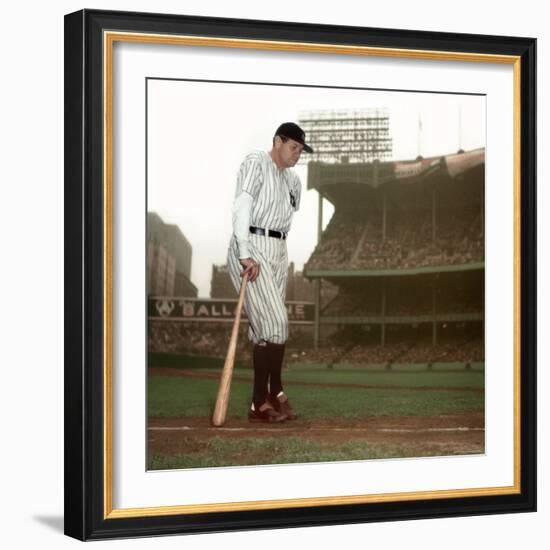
[266,197]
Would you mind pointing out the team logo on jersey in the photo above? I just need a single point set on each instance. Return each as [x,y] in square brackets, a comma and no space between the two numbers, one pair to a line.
[292,200]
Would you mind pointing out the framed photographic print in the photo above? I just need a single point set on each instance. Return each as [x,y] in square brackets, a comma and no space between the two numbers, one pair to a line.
[300,274]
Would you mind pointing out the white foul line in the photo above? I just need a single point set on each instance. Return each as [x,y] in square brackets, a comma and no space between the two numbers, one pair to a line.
[387,430]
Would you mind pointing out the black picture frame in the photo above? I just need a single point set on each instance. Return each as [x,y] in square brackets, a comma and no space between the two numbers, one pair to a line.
[87,515]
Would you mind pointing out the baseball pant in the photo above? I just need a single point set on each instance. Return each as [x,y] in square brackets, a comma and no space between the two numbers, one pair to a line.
[264,298]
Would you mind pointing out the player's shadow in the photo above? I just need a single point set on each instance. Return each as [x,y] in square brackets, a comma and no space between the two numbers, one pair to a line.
[53,522]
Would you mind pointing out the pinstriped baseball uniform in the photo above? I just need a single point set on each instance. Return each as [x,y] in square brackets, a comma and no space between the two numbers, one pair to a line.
[276,196]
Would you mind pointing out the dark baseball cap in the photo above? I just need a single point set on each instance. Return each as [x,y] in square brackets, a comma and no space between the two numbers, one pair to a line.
[293,131]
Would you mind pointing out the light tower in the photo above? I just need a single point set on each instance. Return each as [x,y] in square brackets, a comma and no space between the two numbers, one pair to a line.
[347,136]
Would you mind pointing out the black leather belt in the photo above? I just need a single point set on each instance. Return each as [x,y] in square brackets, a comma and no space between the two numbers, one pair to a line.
[270,232]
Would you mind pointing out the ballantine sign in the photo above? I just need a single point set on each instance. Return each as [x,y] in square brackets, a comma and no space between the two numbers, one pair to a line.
[196,309]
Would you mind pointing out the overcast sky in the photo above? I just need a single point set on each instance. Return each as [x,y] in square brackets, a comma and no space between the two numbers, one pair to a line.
[198,134]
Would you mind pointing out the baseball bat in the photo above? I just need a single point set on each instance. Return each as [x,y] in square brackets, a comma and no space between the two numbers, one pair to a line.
[222,400]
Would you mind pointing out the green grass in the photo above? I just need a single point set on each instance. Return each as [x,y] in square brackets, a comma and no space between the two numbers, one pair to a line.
[290,450]
[174,396]
[181,361]
[170,396]
[389,378]
[450,378]
[397,367]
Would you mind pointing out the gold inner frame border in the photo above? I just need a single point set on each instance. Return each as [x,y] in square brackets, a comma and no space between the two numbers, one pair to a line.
[109,39]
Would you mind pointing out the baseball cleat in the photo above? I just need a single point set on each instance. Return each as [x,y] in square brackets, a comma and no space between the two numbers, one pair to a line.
[282,405]
[266,414]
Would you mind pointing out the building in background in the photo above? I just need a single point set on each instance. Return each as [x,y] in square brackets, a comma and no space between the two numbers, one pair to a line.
[161,270]
[184,286]
[220,284]
[169,256]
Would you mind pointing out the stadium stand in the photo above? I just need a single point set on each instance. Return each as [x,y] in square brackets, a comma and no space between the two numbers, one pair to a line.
[400,265]
[405,246]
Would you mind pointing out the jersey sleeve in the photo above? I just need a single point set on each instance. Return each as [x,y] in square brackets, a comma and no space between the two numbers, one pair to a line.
[297,192]
[242,207]
[249,177]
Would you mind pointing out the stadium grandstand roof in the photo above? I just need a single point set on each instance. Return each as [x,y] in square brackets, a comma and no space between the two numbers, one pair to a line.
[347,273]
[376,173]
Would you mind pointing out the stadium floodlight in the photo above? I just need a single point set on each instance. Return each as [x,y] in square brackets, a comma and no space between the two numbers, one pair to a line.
[347,136]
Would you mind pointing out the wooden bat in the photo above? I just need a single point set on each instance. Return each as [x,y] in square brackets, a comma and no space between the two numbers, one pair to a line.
[222,400]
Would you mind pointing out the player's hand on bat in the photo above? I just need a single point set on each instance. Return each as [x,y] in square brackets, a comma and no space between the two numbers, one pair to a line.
[251,267]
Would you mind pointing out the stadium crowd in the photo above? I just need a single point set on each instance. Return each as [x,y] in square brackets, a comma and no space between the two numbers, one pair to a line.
[338,243]
[402,352]
[194,338]
[208,339]
[211,340]
[354,241]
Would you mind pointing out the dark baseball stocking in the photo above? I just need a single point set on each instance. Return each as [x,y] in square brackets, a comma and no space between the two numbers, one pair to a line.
[276,353]
[261,375]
